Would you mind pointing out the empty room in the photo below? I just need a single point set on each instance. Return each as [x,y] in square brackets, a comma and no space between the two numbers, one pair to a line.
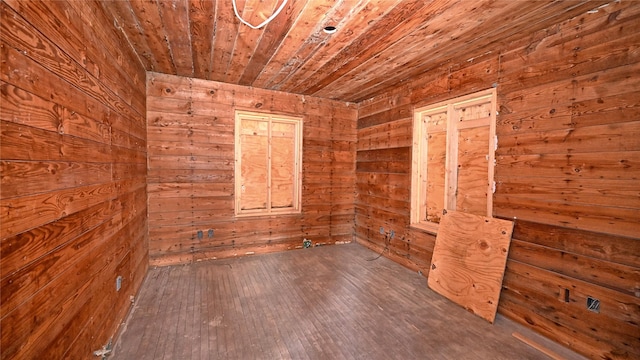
[315,179]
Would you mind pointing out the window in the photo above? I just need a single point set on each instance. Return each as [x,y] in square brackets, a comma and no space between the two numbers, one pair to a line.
[454,146]
[268,156]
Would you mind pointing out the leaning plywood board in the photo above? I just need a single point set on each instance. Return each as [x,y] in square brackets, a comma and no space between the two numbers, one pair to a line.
[469,259]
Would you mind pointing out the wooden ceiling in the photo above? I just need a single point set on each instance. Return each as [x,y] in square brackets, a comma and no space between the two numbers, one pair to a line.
[378,43]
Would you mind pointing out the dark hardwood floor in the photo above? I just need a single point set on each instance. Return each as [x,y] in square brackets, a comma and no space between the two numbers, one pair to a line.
[323,303]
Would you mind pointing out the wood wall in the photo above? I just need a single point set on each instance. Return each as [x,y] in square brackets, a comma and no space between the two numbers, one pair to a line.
[568,168]
[191,165]
[73,163]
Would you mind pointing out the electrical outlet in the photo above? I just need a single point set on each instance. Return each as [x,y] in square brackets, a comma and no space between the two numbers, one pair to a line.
[593,304]
[210,233]
[381,230]
[118,283]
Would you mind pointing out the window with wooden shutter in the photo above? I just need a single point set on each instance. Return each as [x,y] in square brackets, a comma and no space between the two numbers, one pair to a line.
[268,162]
[454,146]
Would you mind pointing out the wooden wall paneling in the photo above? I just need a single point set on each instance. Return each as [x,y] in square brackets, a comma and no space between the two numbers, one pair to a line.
[48,176]
[598,37]
[395,113]
[610,82]
[103,299]
[473,75]
[18,214]
[71,130]
[380,191]
[343,176]
[87,127]
[391,185]
[518,307]
[607,247]
[66,28]
[192,181]
[52,58]
[431,87]
[28,246]
[391,134]
[48,145]
[619,108]
[620,192]
[17,69]
[620,221]
[613,327]
[622,278]
[410,257]
[383,178]
[597,138]
[23,107]
[564,93]
[611,167]
[584,87]
[112,56]
[317,174]
[68,23]
[619,307]
[382,104]
[30,278]
[84,264]
[125,62]
[613,171]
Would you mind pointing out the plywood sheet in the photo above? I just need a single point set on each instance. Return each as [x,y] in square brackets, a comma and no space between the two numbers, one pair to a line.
[473,167]
[469,259]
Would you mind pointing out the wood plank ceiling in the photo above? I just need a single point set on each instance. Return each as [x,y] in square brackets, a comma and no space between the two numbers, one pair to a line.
[378,43]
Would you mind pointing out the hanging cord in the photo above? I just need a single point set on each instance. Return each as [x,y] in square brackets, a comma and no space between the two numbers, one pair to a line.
[387,242]
[268,20]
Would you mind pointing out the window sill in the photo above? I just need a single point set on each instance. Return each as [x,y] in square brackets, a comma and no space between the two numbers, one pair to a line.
[430,228]
[268,215]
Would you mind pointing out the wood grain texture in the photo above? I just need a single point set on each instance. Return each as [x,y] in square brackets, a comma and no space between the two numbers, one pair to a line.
[74,149]
[469,259]
[321,303]
[73,201]
[191,167]
[563,92]
[378,45]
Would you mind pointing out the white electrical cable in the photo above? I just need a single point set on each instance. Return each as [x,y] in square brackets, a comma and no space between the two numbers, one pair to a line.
[268,20]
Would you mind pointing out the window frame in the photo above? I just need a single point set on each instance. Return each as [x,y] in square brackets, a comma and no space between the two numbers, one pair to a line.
[419,182]
[296,207]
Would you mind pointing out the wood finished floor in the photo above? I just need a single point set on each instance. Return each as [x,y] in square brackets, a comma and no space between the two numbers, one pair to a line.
[321,303]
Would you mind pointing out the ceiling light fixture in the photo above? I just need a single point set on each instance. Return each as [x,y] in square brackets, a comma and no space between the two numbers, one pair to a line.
[330,29]
[268,20]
